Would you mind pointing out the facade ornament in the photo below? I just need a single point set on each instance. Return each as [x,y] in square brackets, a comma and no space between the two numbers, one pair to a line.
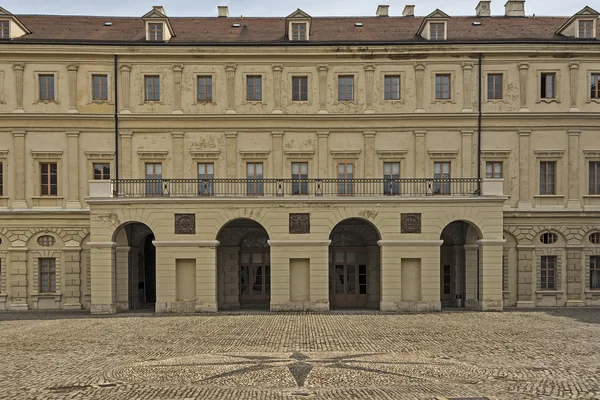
[300,223]
[410,223]
[185,224]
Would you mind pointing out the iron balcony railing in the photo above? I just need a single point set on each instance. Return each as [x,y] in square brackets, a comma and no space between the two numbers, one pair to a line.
[411,187]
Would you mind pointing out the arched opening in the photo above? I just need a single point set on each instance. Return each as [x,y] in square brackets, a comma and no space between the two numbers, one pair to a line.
[243,266]
[459,265]
[354,260]
[135,264]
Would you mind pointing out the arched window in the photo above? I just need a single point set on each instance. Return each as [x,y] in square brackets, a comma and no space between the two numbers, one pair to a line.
[549,238]
[46,241]
[595,238]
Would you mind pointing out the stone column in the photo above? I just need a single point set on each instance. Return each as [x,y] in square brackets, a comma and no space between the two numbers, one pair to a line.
[369,83]
[177,72]
[420,154]
[323,151]
[277,154]
[72,69]
[230,73]
[523,75]
[467,154]
[525,275]
[490,274]
[574,86]
[73,174]
[369,138]
[467,87]
[178,159]
[574,197]
[18,67]
[232,154]
[18,279]
[277,72]
[323,68]
[524,178]
[126,162]
[575,288]
[420,86]
[125,88]
[72,282]
[103,278]
[471,275]
[19,202]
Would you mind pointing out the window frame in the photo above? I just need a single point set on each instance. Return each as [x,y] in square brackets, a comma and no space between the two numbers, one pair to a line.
[299,188]
[205,91]
[594,281]
[494,165]
[297,93]
[153,189]
[593,164]
[49,185]
[206,184]
[104,95]
[102,175]
[345,188]
[442,75]
[548,264]
[594,92]
[1,178]
[437,30]
[43,90]
[255,188]
[300,34]
[47,274]
[154,87]
[497,89]
[441,188]
[390,185]
[392,78]
[251,83]
[4,32]
[155,32]
[557,86]
[591,29]
[543,185]
[342,80]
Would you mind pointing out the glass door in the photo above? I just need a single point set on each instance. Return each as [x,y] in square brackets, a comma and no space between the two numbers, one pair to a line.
[255,277]
[348,278]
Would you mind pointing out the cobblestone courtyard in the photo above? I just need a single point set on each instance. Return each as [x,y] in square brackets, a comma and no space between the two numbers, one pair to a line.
[512,355]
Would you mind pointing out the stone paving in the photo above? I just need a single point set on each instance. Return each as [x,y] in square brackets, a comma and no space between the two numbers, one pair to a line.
[542,354]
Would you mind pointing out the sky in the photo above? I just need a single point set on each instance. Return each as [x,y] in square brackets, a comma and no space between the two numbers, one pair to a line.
[279,8]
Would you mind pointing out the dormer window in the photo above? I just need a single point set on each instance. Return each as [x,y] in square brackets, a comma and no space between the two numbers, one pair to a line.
[298,31]
[586,29]
[4,30]
[298,26]
[158,25]
[436,31]
[434,26]
[155,32]
[582,25]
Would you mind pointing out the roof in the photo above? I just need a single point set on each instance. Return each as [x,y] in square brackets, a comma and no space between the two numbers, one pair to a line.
[255,30]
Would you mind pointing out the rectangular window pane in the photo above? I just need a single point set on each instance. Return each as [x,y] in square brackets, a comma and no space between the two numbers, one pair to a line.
[47,275]
[392,87]
[436,31]
[4,29]
[495,86]
[205,88]
[298,31]
[594,178]
[101,171]
[547,177]
[46,87]
[441,175]
[547,271]
[548,86]
[299,88]
[594,272]
[100,87]
[254,88]
[299,178]
[155,31]
[152,88]
[346,88]
[391,176]
[442,86]
[595,86]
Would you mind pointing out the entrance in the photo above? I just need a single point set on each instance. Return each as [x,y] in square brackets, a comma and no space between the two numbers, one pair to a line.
[349,286]
[255,277]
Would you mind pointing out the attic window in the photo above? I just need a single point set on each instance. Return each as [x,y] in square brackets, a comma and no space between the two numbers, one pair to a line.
[298,31]
[358,24]
[155,32]
[108,24]
[437,30]
[4,30]
[236,25]
[586,29]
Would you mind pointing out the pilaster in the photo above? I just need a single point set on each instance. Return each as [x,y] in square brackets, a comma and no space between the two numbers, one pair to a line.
[525,276]
[420,154]
[467,68]
[230,75]
[19,160]
[574,198]
[177,72]
[72,70]
[125,88]
[277,71]
[323,154]
[206,278]
[323,68]
[18,278]
[524,178]
[178,160]
[574,84]
[523,75]
[73,201]
[466,154]
[471,281]
[277,137]
[369,138]
[575,285]
[125,153]
[103,277]
[369,83]
[420,88]
[490,274]
[72,282]
[18,68]
[231,156]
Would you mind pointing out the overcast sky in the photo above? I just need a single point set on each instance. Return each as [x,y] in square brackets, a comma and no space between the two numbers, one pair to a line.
[276,8]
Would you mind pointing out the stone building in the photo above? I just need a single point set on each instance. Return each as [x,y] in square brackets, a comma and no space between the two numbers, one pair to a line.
[300,163]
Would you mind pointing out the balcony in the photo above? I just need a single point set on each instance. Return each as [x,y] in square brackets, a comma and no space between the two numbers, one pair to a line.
[232,188]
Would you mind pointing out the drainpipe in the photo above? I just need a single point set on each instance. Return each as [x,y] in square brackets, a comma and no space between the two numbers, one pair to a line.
[116,88]
[479,117]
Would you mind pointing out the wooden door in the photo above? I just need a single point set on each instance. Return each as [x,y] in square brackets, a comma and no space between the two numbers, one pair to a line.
[348,276]
[255,277]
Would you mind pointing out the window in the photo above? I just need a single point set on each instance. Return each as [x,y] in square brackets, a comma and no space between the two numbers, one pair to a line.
[447,280]
[47,275]
[299,178]
[1,180]
[494,86]
[595,238]
[442,86]
[154,177]
[101,171]
[586,29]
[46,87]
[595,86]
[547,177]
[391,175]
[4,30]
[152,87]
[346,88]
[549,238]
[205,88]
[441,175]
[255,176]
[547,272]
[49,179]
[493,170]
[254,88]
[594,272]
[298,31]
[299,88]
[345,175]
[46,241]
[436,31]
[100,87]
[548,85]
[594,179]
[155,32]
[206,176]
[392,87]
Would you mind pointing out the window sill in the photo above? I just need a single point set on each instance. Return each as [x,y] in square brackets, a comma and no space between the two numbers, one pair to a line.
[549,196]
[393,101]
[495,101]
[47,102]
[205,102]
[292,102]
[152,102]
[344,102]
[51,197]
[255,102]
[597,101]
[443,101]
[545,292]
[548,101]
[100,102]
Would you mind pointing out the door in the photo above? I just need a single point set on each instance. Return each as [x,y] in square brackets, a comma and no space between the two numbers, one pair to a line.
[348,277]
[447,288]
[255,278]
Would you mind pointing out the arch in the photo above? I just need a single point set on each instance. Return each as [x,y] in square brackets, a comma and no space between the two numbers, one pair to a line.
[361,220]
[236,219]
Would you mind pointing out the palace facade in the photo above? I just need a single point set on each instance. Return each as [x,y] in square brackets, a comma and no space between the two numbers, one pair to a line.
[301,163]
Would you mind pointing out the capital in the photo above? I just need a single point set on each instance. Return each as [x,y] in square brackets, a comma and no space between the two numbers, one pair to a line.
[18,66]
[73,67]
[323,67]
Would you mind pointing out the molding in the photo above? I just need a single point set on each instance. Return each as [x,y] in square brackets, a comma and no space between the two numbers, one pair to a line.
[3,154]
[345,154]
[152,154]
[299,242]
[420,243]
[442,154]
[102,245]
[186,243]
[491,242]
[205,155]
[255,155]
[300,154]
[498,153]
[100,155]
[591,153]
[549,153]
[54,155]
[392,154]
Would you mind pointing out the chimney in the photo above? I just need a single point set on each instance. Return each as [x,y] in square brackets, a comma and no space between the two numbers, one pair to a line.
[409,11]
[223,11]
[484,9]
[383,11]
[515,8]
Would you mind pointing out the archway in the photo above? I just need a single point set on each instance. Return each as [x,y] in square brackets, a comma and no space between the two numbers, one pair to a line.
[459,265]
[243,266]
[354,265]
[135,264]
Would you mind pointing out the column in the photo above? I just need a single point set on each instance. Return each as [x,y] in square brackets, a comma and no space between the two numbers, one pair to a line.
[177,72]
[232,154]
[574,86]
[573,200]
[323,68]
[125,153]
[471,275]
[125,88]
[369,138]
[277,72]
[72,282]
[369,83]
[420,154]
[467,154]
[419,86]
[523,74]
[179,155]
[123,283]
[467,68]
[72,70]
[103,278]
[230,74]
[277,154]
[525,275]
[575,287]
[73,174]
[323,151]
[490,274]
[18,279]
[524,178]
[374,277]
[18,67]
[20,184]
